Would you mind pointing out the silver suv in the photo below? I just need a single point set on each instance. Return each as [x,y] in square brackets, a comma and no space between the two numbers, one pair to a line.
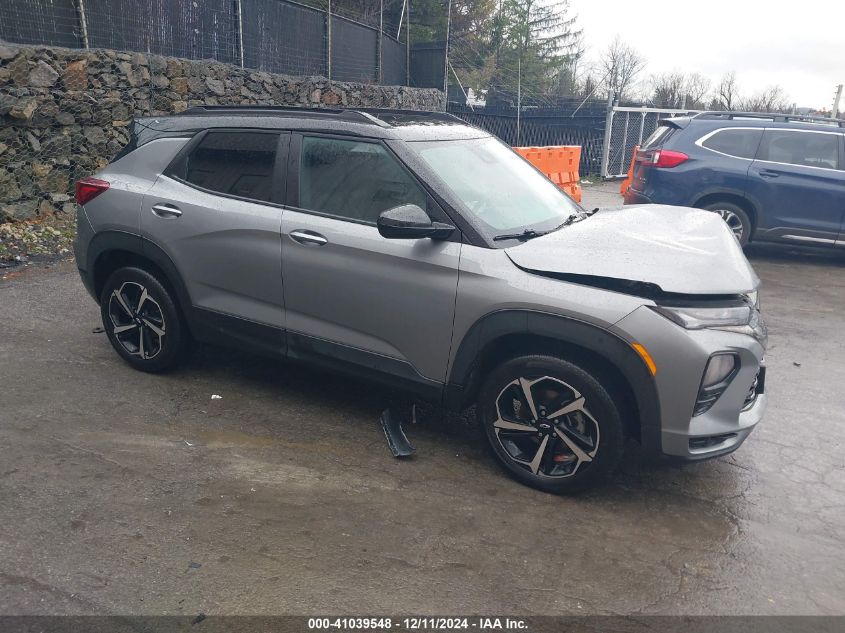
[416,250]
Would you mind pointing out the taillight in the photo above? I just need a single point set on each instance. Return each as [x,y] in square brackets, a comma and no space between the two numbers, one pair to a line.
[89,188]
[665,158]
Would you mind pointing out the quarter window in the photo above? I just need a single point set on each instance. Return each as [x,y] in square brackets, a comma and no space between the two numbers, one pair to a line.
[736,142]
[235,163]
[355,180]
[808,149]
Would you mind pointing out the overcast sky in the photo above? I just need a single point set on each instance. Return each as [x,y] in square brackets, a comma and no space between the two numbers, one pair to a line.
[799,45]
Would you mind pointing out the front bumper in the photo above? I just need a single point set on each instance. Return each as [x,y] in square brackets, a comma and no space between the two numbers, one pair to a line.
[681,357]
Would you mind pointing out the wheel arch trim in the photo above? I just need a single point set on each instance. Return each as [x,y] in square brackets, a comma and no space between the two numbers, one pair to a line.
[120,241]
[494,328]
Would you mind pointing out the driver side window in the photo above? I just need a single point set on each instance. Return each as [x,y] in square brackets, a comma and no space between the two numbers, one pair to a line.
[355,180]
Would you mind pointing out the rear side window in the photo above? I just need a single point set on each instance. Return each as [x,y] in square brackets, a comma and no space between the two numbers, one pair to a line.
[807,149]
[235,163]
[734,142]
[659,137]
[353,179]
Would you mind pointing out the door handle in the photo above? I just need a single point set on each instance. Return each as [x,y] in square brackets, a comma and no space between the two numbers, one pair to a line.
[166,211]
[767,173]
[308,237]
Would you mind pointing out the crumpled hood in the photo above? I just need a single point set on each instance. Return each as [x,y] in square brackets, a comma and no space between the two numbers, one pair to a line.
[679,249]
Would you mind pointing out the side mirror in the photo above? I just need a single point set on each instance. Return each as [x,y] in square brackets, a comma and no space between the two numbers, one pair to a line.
[409,222]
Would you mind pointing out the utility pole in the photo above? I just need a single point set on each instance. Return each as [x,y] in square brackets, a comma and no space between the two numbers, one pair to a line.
[835,111]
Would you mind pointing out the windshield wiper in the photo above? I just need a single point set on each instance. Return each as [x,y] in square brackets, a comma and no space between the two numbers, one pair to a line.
[527,234]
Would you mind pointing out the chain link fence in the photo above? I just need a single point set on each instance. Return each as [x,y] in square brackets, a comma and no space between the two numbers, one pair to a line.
[626,128]
[279,36]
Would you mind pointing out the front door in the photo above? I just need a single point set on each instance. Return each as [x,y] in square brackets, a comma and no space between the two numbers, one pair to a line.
[797,180]
[351,296]
[217,214]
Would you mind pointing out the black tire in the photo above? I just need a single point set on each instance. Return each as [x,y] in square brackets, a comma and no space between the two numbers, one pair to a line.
[156,331]
[554,384]
[735,217]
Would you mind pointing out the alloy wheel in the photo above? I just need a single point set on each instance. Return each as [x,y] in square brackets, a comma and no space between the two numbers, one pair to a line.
[543,425]
[732,220]
[137,320]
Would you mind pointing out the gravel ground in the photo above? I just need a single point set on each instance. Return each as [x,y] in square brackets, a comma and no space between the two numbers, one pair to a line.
[42,241]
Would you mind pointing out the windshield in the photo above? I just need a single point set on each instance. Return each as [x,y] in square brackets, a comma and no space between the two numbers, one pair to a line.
[496,185]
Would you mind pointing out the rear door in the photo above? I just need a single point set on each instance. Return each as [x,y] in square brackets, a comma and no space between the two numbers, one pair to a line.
[353,297]
[217,212]
[798,182]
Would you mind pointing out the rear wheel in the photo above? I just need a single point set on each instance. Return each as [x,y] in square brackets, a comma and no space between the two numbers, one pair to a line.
[142,321]
[735,217]
[551,424]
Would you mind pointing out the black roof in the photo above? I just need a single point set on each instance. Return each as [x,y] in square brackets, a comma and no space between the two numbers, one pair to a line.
[409,125]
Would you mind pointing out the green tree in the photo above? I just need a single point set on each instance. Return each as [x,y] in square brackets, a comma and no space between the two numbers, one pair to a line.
[532,41]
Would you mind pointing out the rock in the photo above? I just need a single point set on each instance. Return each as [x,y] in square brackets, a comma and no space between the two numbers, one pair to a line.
[158,64]
[179,85]
[94,134]
[68,208]
[60,197]
[331,98]
[45,207]
[19,70]
[34,143]
[56,145]
[10,193]
[24,109]
[43,75]
[18,210]
[3,148]
[65,118]
[75,76]
[216,86]
[179,106]
[41,169]
[315,96]
[7,102]
[160,81]
[7,52]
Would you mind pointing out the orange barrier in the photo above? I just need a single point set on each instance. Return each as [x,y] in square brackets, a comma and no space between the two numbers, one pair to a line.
[559,163]
[626,184]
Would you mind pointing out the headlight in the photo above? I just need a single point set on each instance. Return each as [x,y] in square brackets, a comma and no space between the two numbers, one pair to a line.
[698,318]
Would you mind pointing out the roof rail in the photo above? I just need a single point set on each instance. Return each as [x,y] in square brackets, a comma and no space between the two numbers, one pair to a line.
[245,110]
[428,114]
[774,116]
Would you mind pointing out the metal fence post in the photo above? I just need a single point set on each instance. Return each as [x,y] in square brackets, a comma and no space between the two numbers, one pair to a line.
[239,9]
[380,41]
[608,126]
[83,22]
[329,41]
[407,43]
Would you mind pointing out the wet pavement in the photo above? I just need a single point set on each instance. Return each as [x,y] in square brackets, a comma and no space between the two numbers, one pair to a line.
[122,492]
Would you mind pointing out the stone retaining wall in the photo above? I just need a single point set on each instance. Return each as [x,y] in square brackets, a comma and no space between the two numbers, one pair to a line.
[65,113]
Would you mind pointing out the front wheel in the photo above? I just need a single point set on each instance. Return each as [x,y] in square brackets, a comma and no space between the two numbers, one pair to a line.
[551,424]
[735,217]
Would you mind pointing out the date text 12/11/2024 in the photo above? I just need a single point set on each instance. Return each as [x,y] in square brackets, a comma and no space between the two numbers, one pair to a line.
[417,624]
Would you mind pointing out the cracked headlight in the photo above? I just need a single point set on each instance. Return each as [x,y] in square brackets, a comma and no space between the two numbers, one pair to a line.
[699,318]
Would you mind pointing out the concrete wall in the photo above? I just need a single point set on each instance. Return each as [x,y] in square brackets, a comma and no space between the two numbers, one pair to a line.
[65,113]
